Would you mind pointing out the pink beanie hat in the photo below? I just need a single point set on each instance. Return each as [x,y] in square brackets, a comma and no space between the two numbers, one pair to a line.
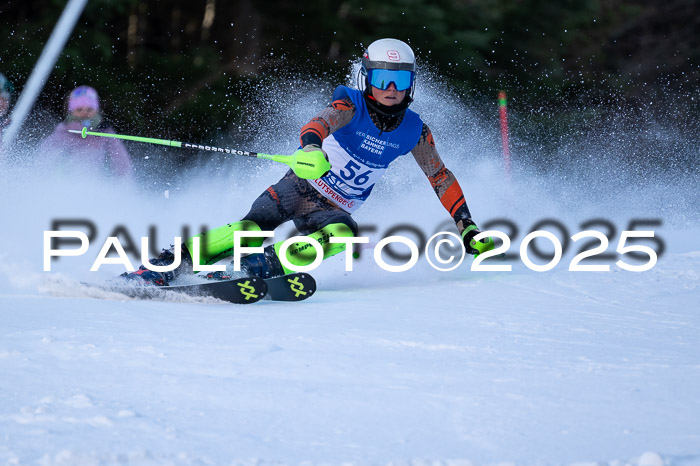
[83,96]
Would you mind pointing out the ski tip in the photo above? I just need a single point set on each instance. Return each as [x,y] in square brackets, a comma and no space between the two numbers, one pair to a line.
[291,287]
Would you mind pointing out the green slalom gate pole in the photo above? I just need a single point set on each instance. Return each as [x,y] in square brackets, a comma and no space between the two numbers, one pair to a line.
[307,165]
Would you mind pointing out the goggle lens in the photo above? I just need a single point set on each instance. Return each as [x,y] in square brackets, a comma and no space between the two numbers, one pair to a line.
[381,79]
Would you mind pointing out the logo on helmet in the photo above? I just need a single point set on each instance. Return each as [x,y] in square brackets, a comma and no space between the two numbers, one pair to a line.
[393,55]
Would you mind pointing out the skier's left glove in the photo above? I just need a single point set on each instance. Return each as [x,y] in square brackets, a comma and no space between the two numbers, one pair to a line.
[470,244]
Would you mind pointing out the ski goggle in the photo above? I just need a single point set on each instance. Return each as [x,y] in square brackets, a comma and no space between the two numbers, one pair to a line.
[381,79]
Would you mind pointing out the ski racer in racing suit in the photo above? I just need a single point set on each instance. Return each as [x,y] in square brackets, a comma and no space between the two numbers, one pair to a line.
[361,132]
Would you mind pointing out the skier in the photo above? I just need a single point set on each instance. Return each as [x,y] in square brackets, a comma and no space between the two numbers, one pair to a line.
[361,132]
[65,152]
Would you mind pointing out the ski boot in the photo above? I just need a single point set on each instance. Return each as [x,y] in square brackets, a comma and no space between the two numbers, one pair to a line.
[262,265]
[151,277]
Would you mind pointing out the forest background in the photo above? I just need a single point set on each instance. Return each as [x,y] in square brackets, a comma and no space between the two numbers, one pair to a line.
[183,69]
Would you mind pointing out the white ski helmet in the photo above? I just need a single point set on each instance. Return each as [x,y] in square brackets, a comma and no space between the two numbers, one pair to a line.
[392,55]
[389,54]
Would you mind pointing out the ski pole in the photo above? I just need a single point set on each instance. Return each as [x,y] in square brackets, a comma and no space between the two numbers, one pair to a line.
[307,165]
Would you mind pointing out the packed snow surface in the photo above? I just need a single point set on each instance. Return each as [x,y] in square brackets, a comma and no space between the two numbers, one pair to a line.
[413,368]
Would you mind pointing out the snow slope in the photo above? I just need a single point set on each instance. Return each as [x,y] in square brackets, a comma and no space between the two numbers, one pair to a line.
[422,367]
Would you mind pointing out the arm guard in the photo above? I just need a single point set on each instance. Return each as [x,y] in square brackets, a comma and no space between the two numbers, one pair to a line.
[441,178]
[336,115]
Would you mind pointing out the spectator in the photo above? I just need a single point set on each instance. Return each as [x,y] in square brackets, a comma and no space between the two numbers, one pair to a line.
[69,153]
[5,96]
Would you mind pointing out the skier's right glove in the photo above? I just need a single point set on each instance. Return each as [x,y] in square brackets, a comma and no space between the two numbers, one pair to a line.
[317,148]
[470,244]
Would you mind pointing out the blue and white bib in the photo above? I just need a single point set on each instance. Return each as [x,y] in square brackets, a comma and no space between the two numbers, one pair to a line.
[360,154]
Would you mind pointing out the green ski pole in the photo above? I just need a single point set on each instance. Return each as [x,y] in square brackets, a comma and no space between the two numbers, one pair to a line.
[307,165]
